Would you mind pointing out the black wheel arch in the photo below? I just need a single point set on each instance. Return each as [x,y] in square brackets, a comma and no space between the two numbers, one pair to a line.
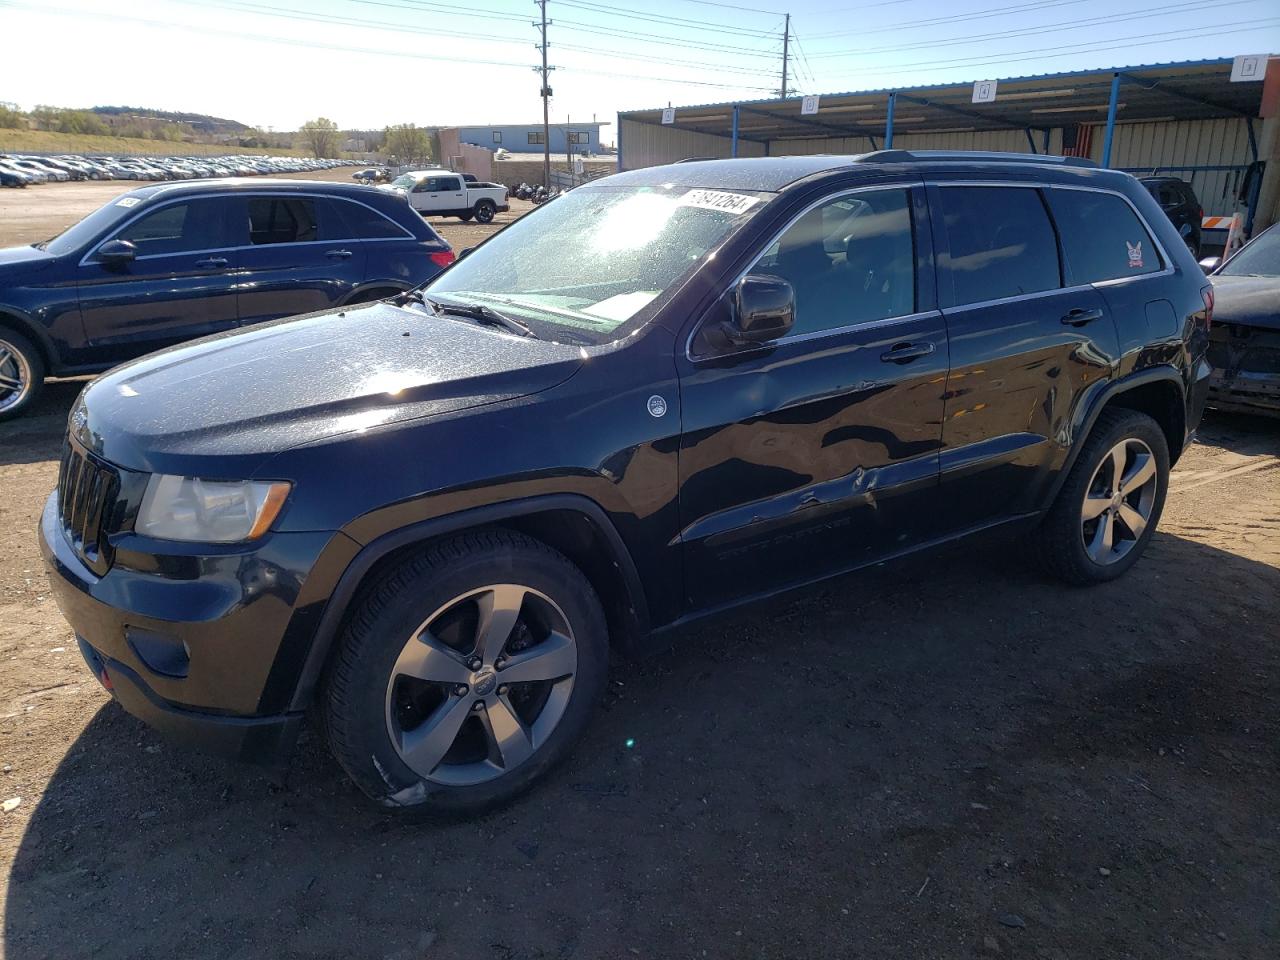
[573,524]
[391,286]
[1158,392]
[21,322]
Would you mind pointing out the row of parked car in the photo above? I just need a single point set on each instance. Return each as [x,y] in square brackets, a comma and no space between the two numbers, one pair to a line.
[20,170]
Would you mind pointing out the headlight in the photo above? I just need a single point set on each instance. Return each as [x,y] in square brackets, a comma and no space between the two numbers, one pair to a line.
[209,511]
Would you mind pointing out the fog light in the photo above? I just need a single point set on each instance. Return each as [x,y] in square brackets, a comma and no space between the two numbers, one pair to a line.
[160,652]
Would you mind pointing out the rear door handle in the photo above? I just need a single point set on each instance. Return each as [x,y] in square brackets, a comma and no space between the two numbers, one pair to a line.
[338,254]
[906,352]
[211,263]
[1079,316]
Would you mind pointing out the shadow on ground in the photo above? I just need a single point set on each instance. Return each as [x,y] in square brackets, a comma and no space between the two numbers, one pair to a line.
[948,758]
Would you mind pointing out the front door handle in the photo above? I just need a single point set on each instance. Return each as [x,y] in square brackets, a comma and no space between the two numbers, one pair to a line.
[1080,316]
[906,352]
[338,254]
[211,263]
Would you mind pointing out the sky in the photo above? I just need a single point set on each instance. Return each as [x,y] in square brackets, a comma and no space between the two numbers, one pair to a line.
[369,63]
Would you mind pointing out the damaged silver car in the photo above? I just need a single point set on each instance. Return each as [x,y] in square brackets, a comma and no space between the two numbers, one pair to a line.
[1244,343]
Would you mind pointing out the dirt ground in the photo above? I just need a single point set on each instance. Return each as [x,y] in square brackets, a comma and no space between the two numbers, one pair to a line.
[950,757]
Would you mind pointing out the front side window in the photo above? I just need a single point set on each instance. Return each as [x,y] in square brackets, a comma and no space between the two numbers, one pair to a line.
[849,260]
[177,228]
[1102,238]
[282,220]
[1001,243]
[595,262]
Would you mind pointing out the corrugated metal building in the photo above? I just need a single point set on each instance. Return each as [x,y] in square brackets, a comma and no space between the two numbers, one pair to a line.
[1184,119]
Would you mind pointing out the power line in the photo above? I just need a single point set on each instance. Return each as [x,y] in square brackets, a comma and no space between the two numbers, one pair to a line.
[618,32]
[1041,28]
[958,18]
[610,11]
[1186,33]
[377,52]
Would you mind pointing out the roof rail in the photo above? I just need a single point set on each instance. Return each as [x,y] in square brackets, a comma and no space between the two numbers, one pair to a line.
[978,156]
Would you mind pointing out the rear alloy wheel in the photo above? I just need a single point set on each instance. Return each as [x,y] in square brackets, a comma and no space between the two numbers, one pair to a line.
[1109,505]
[467,673]
[485,211]
[21,373]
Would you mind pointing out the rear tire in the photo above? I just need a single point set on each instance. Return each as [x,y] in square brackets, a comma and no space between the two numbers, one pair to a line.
[22,373]
[1107,510]
[485,211]
[467,673]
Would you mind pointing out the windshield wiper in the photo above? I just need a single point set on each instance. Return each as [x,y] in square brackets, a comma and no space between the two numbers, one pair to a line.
[481,314]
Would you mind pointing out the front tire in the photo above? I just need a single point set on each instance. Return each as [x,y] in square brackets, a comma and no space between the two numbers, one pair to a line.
[485,211]
[1107,510]
[21,373]
[467,672]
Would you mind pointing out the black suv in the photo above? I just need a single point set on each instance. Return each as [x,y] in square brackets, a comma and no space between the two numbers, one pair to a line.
[172,262]
[661,395]
[1181,206]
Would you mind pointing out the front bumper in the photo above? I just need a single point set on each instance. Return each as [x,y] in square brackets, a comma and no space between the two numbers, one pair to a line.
[192,645]
[1246,369]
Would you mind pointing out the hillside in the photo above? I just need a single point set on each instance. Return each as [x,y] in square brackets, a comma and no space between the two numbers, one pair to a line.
[198,121]
[44,141]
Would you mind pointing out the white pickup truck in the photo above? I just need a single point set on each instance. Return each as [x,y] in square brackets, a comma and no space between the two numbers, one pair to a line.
[443,193]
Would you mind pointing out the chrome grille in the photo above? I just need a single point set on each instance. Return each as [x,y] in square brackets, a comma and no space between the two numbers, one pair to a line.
[87,493]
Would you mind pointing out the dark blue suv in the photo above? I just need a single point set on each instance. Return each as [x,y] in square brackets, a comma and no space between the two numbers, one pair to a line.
[171,262]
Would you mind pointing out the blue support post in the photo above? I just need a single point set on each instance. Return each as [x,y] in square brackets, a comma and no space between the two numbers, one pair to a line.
[619,143]
[1253,140]
[735,131]
[1046,141]
[1030,141]
[1112,105]
[888,123]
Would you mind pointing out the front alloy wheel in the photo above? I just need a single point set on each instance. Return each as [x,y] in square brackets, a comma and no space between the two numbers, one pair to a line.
[481,685]
[21,373]
[466,672]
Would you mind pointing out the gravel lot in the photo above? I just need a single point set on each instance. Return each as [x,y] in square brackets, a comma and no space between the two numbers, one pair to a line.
[950,757]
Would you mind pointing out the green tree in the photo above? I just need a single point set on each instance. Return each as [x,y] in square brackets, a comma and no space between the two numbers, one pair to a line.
[11,117]
[320,137]
[407,143]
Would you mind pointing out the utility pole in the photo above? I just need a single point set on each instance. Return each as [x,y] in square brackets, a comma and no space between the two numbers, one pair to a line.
[546,97]
[786,44]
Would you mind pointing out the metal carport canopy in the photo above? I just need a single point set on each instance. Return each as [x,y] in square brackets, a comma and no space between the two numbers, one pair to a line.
[1193,90]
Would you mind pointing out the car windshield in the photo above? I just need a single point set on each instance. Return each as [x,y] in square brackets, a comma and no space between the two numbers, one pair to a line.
[597,261]
[79,234]
[1259,259]
[404,180]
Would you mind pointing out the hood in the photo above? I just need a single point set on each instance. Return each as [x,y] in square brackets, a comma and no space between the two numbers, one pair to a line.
[23,260]
[1253,301]
[247,394]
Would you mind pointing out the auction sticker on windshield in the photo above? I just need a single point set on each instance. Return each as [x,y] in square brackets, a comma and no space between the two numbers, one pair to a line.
[735,203]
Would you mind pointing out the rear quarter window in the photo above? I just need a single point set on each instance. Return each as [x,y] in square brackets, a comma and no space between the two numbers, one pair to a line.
[1102,237]
[365,223]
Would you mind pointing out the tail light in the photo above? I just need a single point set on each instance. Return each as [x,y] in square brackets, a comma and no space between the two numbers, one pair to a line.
[1207,294]
[442,258]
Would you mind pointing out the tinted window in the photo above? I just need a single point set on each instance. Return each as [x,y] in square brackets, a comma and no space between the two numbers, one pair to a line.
[1102,237]
[1260,258]
[849,260]
[282,220]
[1002,243]
[362,223]
[177,228]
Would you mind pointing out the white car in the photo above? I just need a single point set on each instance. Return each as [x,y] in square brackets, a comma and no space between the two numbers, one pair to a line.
[443,193]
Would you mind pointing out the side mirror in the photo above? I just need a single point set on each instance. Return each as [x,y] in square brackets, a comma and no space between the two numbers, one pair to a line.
[117,251]
[764,308]
[1210,264]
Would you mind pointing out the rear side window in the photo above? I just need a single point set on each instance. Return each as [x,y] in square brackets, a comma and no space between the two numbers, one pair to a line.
[1001,243]
[1102,238]
[282,220]
[363,223]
